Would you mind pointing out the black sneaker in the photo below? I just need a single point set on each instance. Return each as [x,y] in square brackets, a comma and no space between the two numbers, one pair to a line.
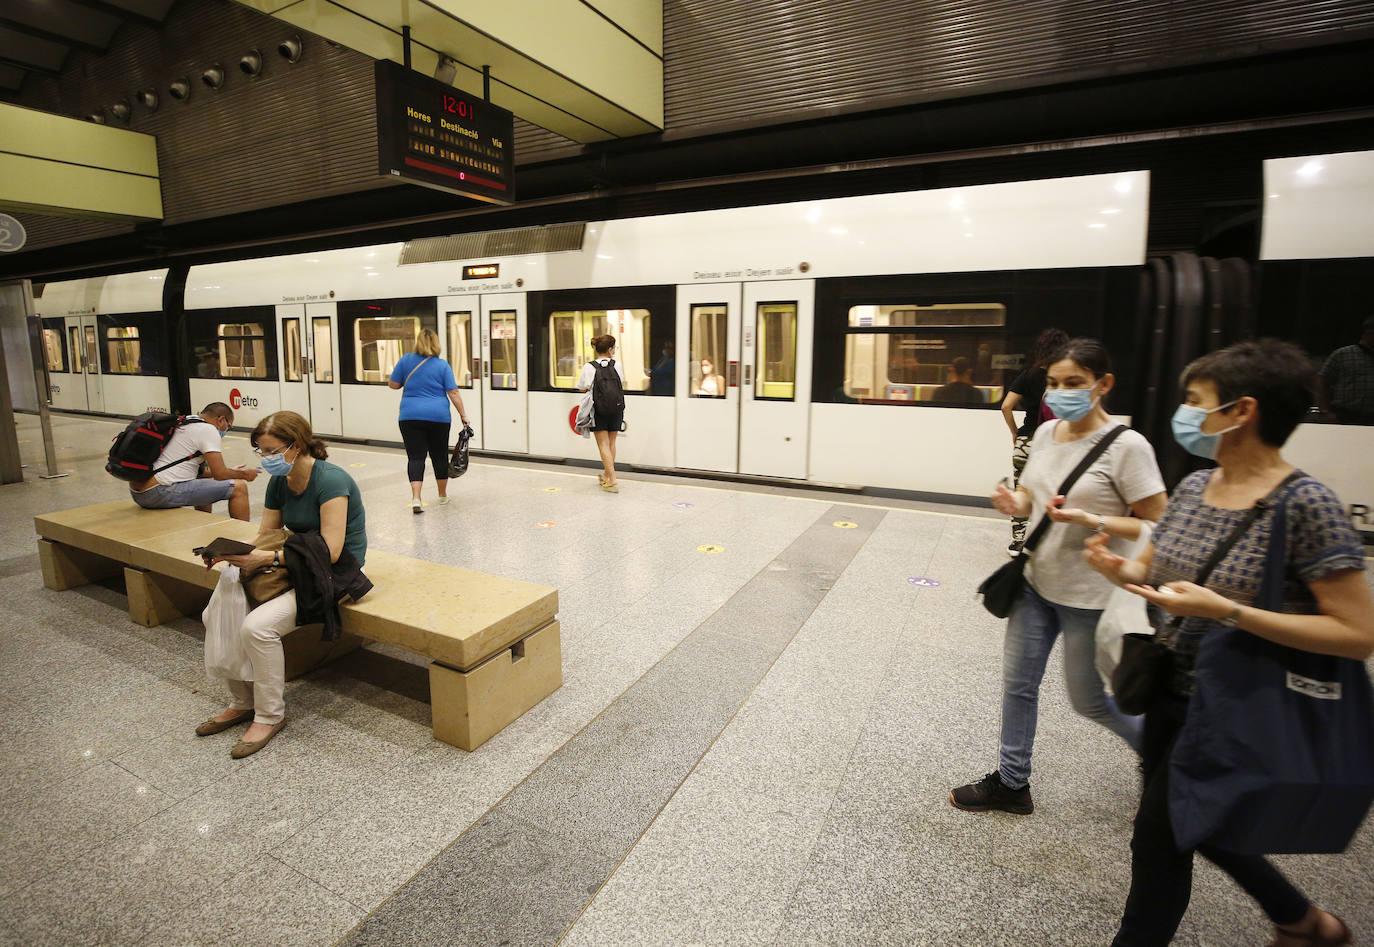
[991,793]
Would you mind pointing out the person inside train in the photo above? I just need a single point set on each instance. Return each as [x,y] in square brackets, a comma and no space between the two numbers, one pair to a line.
[1024,395]
[197,441]
[606,426]
[959,389]
[1241,405]
[306,494]
[427,389]
[1345,384]
[662,380]
[1062,596]
[711,384]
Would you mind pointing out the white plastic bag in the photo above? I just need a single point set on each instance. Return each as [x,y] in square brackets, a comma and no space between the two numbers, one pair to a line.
[225,655]
[1125,612]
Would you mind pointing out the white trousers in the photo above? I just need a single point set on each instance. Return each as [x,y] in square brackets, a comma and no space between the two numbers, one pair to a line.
[262,629]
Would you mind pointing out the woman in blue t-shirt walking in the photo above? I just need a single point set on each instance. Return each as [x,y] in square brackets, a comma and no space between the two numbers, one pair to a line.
[427,387]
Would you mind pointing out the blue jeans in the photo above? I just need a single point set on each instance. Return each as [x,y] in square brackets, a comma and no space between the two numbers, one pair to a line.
[1032,628]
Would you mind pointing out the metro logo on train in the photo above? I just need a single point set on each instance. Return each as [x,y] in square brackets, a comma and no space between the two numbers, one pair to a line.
[238,400]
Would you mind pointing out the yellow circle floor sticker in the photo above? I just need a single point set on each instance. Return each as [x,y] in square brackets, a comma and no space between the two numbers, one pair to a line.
[552,489]
[845,524]
[357,465]
[710,548]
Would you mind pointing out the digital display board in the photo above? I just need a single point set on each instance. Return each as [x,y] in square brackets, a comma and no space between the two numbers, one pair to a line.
[482,271]
[432,134]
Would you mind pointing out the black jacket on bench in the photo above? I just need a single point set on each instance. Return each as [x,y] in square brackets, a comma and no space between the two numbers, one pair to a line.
[321,584]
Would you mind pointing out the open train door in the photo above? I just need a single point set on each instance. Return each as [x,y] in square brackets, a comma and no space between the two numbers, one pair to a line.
[707,386]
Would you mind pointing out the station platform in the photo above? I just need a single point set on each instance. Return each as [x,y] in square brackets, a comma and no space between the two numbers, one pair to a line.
[768,694]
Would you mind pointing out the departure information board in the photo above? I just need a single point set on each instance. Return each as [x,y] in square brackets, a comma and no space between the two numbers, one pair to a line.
[433,134]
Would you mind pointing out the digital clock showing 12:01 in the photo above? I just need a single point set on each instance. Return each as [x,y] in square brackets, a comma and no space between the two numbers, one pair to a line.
[432,134]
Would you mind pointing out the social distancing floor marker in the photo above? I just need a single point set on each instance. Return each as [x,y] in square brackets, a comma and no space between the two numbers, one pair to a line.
[545,525]
[710,548]
[921,582]
[552,489]
[357,465]
[683,506]
[845,524]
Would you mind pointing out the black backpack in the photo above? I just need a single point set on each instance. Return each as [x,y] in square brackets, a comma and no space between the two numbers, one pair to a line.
[608,397]
[136,449]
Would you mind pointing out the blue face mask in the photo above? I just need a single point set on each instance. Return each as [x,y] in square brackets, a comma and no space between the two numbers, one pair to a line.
[223,433]
[1071,404]
[276,465]
[1187,426]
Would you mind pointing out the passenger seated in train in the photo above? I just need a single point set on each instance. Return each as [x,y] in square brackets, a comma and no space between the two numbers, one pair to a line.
[182,484]
[960,388]
[661,380]
[1345,384]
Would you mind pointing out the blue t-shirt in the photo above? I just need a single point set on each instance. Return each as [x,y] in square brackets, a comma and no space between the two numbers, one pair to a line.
[425,396]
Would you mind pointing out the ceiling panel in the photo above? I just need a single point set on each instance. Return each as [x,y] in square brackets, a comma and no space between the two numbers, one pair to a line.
[63,19]
[25,49]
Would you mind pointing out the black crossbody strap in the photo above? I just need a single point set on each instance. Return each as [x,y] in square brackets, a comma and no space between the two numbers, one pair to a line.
[1243,527]
[1089,459]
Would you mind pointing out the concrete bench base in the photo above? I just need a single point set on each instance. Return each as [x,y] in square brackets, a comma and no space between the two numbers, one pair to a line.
[470,707]
[66,567]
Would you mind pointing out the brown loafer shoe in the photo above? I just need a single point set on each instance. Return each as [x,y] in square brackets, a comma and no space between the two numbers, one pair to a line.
[244,748]
[215,726]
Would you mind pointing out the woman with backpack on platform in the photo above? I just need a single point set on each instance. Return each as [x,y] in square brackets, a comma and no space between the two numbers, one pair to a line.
[606,379]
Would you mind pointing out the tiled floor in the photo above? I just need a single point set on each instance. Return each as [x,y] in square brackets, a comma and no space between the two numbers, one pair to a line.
[750,746]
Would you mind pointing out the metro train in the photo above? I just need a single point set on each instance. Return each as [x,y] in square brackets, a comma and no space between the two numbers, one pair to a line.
[813,342]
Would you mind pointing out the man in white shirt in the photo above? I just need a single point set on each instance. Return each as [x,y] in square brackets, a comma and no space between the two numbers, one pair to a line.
[181,483]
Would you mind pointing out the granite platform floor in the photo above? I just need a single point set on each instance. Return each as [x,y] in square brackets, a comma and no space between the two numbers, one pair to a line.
[767,698]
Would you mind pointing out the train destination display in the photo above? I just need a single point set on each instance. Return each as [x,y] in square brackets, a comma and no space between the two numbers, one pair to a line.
[432,134]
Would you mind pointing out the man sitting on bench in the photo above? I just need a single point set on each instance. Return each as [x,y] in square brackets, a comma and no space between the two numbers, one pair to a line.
[180,484]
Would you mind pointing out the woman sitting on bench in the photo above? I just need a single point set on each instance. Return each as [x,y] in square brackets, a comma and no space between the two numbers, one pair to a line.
[306,493]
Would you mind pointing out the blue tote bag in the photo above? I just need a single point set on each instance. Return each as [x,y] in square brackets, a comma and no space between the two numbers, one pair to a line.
[1277,753]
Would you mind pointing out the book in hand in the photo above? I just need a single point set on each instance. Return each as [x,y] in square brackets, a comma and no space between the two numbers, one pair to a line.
[221,547]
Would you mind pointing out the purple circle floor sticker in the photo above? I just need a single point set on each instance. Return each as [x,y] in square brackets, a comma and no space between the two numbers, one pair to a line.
[682,506]
[921,582]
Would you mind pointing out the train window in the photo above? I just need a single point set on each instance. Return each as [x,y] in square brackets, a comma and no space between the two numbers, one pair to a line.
[122,350]
[503,350]
[571,333]
[378,344]
[92,350]
[460,347]
[710,325]
[75,333]
[957,356]
[777,352]
[52,350]
[291,357]
[242,350]
[322,344]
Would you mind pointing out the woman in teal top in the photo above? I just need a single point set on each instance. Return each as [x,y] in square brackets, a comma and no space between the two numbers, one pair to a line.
[306,494]
[427,389]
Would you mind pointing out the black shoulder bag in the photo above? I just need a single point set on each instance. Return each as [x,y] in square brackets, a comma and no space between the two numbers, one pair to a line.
[1147,663]
[1001,589]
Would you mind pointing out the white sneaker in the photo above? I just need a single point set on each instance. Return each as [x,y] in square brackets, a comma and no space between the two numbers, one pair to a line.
[416,506]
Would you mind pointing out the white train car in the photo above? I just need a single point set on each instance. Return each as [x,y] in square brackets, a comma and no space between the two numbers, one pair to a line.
[736,292]
[103,341]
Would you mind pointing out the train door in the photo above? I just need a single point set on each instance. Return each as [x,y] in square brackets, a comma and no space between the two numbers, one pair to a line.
[322,382]
[66,384]
[293,349]
[460,330]
[775,388]
[708,331]
[505,407]
[83,337]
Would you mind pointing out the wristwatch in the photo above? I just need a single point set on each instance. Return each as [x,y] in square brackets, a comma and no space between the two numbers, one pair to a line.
[1101,523]
[276,559]
[1232,618]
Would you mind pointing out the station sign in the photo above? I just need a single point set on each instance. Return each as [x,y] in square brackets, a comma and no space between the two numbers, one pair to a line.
[433,134]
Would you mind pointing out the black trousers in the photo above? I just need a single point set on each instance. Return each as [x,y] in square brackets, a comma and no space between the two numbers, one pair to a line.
[421,438]
[1161,875]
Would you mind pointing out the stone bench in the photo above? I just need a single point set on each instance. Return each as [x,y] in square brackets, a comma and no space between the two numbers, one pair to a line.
[493,643]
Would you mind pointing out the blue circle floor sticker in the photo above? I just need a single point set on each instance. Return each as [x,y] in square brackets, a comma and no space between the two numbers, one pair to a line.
[921,582]
[12,234]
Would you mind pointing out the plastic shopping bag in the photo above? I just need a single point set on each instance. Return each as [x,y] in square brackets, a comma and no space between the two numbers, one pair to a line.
[458,464]
[1125,613]
[225,655]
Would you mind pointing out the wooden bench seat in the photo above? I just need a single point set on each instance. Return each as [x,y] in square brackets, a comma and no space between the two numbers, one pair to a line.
[493,642]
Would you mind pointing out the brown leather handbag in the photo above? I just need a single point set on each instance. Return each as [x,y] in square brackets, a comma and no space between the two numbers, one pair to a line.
[267,582]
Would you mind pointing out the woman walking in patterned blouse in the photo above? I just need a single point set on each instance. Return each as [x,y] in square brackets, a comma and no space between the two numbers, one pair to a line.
[1242,403]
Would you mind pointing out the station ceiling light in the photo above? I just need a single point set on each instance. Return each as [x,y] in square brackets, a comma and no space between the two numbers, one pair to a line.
[213,77]
[97,117]
[251,62]
[120,110]
[180,89]
[148,98]
[291,48]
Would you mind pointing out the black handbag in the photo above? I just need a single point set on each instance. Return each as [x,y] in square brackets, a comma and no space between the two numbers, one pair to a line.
[458,464]
[1001,589]
[1147,663]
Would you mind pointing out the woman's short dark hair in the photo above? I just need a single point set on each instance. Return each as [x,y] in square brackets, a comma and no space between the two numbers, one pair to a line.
[603,344]
[1087,353]
[1275,373]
